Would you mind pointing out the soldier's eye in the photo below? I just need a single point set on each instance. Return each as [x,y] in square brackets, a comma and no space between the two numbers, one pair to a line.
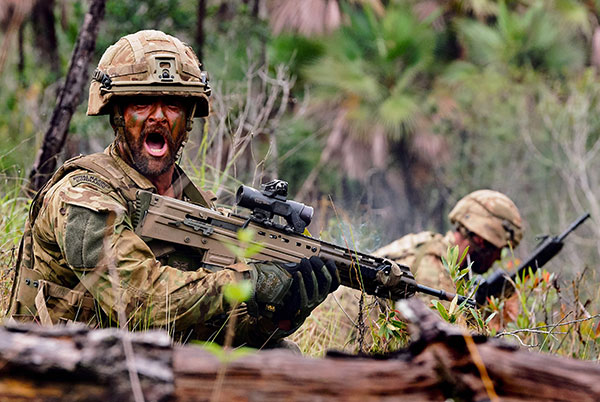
[174,105]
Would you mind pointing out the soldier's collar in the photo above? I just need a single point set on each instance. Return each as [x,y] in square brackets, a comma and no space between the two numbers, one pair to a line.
[139,180]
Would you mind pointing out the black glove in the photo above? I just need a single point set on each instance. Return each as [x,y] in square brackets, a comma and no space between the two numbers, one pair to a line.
[312,281]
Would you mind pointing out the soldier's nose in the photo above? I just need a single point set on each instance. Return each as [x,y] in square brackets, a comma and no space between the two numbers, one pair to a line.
[157,114]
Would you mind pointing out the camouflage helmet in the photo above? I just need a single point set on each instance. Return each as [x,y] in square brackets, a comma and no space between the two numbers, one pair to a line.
[148,63]
[491,215]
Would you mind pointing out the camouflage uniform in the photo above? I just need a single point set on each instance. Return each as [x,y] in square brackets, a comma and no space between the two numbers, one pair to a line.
[82,261]
[487,213]
[423,253]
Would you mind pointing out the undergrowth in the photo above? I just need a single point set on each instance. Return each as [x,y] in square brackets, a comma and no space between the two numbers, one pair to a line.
[13,212]
[545,313]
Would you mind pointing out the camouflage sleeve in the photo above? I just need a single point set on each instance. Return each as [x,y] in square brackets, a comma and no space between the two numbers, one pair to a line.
[95,236]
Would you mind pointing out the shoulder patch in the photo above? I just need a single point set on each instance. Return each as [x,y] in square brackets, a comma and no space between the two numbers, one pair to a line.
[93,180]
[90,198]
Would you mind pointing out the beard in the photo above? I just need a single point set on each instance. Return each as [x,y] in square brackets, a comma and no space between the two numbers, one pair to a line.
[480,260]
[148,165]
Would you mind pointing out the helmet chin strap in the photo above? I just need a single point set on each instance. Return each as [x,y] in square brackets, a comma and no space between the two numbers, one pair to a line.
[119,122]
[189,122]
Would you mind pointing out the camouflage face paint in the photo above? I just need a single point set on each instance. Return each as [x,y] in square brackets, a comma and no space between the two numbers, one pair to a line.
[154,133]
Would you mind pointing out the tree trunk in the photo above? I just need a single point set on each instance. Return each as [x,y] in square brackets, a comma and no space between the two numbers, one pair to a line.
[75,363]
[42,18]
[69,97]
[200,37]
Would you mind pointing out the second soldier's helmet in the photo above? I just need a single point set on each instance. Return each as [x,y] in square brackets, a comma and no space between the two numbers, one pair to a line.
[148,63]
[491,215]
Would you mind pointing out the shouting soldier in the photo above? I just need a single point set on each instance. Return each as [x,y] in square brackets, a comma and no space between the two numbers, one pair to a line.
[80,259]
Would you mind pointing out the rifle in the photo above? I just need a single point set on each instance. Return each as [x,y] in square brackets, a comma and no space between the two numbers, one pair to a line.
[548,247]
[210,232]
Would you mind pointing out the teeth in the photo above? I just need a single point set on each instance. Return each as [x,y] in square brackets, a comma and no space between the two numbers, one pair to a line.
[158,152]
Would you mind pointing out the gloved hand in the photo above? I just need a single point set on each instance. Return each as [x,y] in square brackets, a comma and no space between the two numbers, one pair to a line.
[272,283]
[313,280]
[287,293]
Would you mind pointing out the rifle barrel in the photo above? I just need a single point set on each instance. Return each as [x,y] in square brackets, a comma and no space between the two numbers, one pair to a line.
[573,226]
[443,295]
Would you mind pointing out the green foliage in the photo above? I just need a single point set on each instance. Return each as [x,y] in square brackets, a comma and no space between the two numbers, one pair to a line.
[294,51]
[248,246]
[126,16]
[299,149]
[537,38]
[224,355]
[465,286]
[233,46]
[373,67]
[504,85]
[236,293]
[13,212]
[391,333]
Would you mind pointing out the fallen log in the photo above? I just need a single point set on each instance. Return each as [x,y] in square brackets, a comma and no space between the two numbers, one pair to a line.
[75,363]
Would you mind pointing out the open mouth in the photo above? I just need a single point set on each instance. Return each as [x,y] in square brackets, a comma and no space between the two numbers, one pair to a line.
[155,144]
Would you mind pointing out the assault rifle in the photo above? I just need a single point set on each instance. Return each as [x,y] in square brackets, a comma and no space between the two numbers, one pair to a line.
[210,232]
[548,247]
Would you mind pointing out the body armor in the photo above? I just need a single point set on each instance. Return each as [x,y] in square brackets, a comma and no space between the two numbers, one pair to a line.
[31,289]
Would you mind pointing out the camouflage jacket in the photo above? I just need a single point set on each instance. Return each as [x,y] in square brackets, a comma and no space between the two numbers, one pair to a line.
[80,260]
[423,253]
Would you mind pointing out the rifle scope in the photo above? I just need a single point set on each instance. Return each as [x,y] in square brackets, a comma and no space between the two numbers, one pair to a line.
[272,201]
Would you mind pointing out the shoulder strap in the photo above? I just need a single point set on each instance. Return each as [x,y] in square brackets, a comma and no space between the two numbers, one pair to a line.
[106,166]
[206,198]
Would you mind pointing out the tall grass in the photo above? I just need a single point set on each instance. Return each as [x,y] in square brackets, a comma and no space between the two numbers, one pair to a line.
[13,212]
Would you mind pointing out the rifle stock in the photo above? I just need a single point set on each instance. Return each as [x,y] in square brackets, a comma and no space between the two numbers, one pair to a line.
[547,249]
[171,220]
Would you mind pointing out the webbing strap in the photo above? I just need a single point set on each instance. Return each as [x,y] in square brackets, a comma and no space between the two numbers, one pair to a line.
[72,297]
[40,305]
[136,46]
[206,198]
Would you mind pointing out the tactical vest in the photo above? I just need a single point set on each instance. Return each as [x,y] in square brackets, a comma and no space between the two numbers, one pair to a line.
[30,289]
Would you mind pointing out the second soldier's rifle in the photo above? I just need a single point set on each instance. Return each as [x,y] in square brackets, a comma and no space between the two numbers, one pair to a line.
[498,283]
[212,234]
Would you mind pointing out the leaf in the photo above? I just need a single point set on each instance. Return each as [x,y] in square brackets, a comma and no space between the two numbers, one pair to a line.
[441,309]
[245,235]
[464,255]
[213,348]
[225,356]
[477,317]
[253,249]
[453,304]
[487,320]
[238,292]
[399,109]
